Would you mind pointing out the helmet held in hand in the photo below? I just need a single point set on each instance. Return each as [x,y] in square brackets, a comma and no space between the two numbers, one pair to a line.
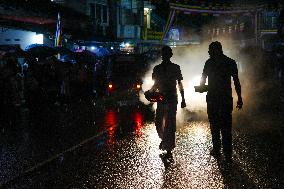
[154,96]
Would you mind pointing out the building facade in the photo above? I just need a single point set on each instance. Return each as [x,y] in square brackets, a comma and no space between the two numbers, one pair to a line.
[23,38]
[112,19]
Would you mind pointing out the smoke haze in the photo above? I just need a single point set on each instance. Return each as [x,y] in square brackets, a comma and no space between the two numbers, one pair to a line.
[251,64]
[191,60]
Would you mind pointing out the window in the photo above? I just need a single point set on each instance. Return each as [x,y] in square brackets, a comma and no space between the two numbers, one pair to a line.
[93,10]
[126,4]
[99,13]
[274,22]
[104,14]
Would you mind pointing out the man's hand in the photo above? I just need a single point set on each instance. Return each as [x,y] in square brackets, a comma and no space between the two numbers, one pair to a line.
[183,104]
[240,103]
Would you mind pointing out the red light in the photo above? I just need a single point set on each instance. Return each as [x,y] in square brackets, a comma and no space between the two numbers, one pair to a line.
[110,125]
[138,86]
[110,88]
[138,120]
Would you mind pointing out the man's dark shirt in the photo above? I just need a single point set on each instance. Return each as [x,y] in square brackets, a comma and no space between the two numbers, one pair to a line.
[165,76]
[219,71]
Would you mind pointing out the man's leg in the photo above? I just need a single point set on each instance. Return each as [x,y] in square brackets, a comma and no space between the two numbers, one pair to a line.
[215,133]
[213,116]
[226,130]
[170,127]
[159,119]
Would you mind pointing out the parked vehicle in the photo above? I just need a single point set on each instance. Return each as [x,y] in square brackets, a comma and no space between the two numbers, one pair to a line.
[124,79]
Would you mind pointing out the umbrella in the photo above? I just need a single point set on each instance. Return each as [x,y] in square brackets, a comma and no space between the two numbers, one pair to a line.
[79,50]
[66,55]
[40,51]
[85,56]
[68,58]
[100,52]
[85,53]
[63,50]
[81,56]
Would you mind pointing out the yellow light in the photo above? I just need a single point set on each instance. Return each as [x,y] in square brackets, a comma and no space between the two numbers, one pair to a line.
[110,86]
[138,86]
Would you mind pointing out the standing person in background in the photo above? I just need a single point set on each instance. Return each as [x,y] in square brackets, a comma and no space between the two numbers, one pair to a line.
[219,69]
[166,76]
[11,93]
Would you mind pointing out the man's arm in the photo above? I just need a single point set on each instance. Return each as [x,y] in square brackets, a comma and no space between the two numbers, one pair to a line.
[238,91]
[154,77]
[154,87]
[204,75]
[203,79]
[237,86]
[181,90]
[180,87]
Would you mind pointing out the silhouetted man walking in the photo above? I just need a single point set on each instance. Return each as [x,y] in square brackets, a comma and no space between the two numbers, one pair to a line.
[219,69]
[166,76]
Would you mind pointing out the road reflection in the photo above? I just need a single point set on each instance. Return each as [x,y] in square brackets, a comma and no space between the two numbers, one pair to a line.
[120,124]
[138,123]
[143,166]
[128,156]
[139,162]
[111,126]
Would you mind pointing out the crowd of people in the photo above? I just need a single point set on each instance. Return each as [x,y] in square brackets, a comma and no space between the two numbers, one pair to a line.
[45,83]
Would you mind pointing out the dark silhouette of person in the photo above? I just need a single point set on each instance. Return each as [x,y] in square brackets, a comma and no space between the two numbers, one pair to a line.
[219,69]
[166,76]
[10,93]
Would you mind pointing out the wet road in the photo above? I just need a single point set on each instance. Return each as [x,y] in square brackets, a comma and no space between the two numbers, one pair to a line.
[122,152]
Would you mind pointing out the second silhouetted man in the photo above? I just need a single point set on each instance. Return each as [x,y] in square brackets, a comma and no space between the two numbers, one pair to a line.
[219,69]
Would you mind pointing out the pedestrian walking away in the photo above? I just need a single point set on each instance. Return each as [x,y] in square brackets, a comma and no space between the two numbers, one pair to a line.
[219,69]
[166,76]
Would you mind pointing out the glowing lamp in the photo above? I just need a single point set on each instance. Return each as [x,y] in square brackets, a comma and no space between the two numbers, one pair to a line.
[38,39]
